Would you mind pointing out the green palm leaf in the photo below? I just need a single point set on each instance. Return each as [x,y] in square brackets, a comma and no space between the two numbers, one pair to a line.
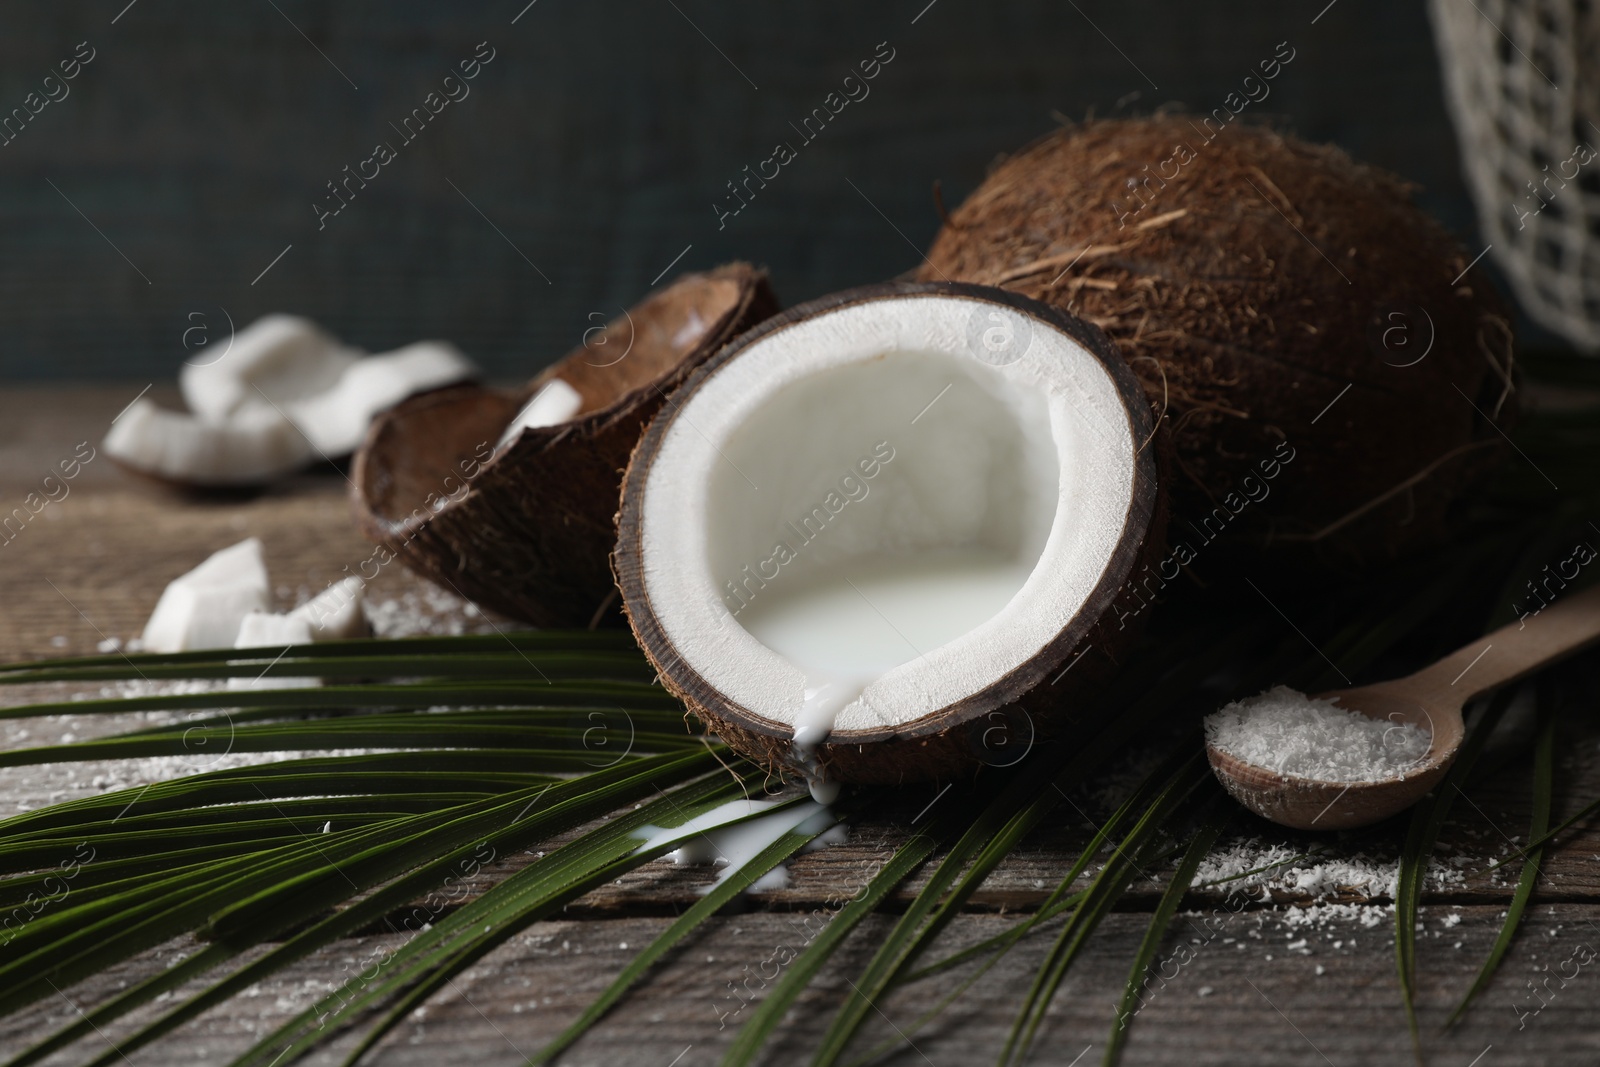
[1427,818]
[1538,823]
[1213,820]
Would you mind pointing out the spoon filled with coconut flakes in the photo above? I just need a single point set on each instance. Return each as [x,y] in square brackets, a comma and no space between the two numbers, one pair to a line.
[1354,757]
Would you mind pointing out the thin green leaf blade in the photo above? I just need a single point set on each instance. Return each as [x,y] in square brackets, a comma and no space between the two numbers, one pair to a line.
[1214,819]
[1538,823]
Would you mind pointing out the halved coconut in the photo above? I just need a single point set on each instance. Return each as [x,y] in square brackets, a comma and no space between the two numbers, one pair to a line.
[554,403]
[520,518]
[865,539]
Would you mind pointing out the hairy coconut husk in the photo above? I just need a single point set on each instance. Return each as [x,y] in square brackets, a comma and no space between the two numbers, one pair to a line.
[1250,280]
[1040,701]
[526,529]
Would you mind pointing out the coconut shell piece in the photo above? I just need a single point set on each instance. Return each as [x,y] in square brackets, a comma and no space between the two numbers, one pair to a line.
[1037,700]
[526,528]
[1275,298]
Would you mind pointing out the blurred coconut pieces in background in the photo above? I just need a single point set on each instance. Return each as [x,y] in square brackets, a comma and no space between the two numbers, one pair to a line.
[282,395]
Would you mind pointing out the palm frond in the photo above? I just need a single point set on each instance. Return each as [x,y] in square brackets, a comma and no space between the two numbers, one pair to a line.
[1035,790]
[720,895]
[1538,823]
[1422,832]
[529,816]
[1213,819]
[437,952]
[1129,861]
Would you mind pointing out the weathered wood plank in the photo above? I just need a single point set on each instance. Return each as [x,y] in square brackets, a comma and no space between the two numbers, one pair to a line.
[1248,993]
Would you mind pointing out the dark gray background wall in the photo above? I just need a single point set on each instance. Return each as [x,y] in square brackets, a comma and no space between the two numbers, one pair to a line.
[589,153]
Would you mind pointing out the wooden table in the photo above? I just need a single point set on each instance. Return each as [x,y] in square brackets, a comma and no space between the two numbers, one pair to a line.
[1274,981]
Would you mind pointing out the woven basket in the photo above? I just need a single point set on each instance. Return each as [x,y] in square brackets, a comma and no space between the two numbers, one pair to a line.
[1523,85]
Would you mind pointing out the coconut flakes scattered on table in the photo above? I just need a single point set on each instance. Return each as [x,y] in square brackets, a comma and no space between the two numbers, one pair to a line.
[1320,876]
[429,612]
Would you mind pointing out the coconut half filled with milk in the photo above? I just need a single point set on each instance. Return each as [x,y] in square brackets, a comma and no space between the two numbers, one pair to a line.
[862,540]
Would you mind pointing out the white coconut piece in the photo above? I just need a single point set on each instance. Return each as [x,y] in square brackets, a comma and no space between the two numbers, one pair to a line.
[332,615]
[262,629]
[336,419]
[265,629]
[336,613]
[205,607]
[555,402]
[275,360]
[254,446]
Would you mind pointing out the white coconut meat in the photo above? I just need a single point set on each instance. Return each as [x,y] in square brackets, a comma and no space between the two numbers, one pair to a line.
[205,607]
[276,360]
[335,614]
[882,509]
[554,403]
[336,419]
[262,629]
[255,445]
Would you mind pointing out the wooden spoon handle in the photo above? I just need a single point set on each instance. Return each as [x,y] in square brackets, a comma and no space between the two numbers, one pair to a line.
[1516,650]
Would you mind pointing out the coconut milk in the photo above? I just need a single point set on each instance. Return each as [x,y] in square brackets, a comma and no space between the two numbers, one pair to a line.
[848,625]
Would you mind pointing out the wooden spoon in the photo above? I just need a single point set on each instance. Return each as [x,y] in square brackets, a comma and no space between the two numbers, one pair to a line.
[1432,698]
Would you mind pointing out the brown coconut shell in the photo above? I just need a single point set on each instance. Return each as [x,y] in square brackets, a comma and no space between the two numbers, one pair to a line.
[1039,700]
[1274,297]
[527,532]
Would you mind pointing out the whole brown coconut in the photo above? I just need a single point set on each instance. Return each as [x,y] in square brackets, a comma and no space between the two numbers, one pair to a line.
[525,526]
[1329,368]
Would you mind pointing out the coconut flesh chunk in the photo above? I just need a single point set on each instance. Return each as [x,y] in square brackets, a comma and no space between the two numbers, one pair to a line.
[275,360]
[880,517]
[335,420]
[255,445]
[205,607]
[334,614]
[554,403]
[262,629]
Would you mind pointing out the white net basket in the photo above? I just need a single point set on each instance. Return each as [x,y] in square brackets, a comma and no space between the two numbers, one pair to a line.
[1523,85]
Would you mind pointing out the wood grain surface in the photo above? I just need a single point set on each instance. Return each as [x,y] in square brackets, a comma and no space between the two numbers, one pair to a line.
[1283,978]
